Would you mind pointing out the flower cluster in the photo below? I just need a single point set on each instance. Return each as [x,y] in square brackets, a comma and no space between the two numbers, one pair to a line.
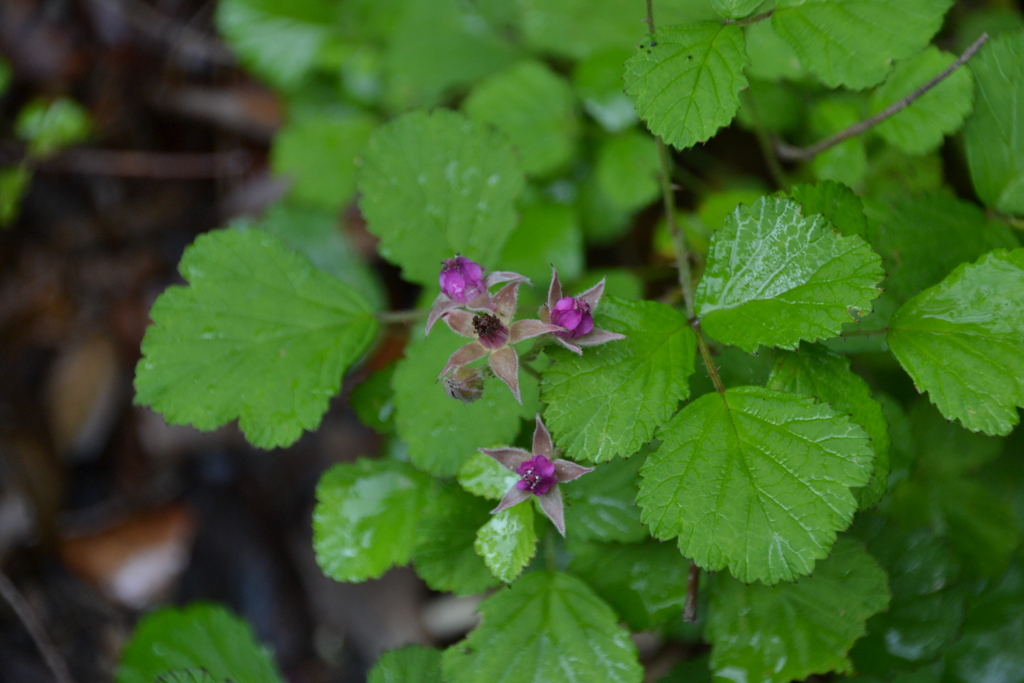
[467,306]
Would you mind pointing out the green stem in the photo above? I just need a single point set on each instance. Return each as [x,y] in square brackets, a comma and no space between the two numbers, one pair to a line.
[400,317]
[705,354]
[678,239]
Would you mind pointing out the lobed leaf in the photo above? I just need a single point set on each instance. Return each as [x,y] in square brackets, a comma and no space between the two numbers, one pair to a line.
[259,335]
[775,277]
[837,203]
[962,341]
[410,664]
[755,480]
[508,542]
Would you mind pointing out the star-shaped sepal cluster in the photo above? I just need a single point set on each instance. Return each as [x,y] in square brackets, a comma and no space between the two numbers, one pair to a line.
[574,316]
[463,285]
[494,335]
[540,474]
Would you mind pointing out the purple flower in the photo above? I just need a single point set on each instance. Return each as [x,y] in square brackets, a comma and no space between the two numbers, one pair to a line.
[463,285]
[575,315]
[539,475]
[494,336]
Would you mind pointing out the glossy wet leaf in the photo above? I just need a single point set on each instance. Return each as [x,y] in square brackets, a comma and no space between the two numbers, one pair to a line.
[438,184]
[755,480]
[853,43]
[602,505]
[921,127]
[442,432]
[792,630]
[644,582]
[827,377]
[508,541]
[962,341]
[609,401]
[547,627]
[627,169]
[535,108]
[483,476]
[365,518]
[687,85]
[410,664]
[259,334]
[994,134]
[775,277]
[836,202]
[989,648]
[200,636]
[445,557]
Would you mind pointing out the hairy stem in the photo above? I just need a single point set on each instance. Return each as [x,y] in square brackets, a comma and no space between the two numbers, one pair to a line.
[53,659]
[692,586]
[790,153]
[705,354]
[400,317]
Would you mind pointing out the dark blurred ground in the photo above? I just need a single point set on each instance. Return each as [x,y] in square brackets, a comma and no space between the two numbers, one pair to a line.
[106,512]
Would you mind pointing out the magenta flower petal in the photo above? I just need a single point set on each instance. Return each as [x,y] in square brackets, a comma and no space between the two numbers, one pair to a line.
[574,315]
[461,280]
[537,475]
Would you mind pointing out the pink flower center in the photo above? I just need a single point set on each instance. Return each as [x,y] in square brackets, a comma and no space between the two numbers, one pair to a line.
[537,475]
[461,280]
[574,315]
[491,332]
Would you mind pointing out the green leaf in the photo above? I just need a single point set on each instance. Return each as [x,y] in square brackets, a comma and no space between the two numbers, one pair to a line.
[920,128]
[892,173]
[989,649]
[547,627]
[687,85]
[535,108]
[279,40]
[839,205]
[319,154]
[787,632]
[444,555]
[994,134]
[846,162]
[440,47]
[775,277]
[483,476]
[770,57]
[627,170]
[945,449]
[598,82]
[14,181]
[410,664]
[442,432]
[373,401]
[735,9]
[365,517]
[601,507]
[609,401]
[755,480]
[645,583]
[853,43]
[962,341]
[436,184]
[49,126]
[507,542]
[548,235]
[259,335]
[201,636]
[827,377]
[188,676]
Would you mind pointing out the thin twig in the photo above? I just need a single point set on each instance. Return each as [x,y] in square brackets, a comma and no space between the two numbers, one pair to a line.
[650,18]
[692,586]
[751,20]
[401,317]
[790,153]
[705,354]
[54,660]
[678,239]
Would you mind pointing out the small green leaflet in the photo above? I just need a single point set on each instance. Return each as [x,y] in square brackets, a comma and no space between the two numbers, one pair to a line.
[601,507]
[755,480]
[777,634]
[644,582]
[319,154]
[201,636]
[962,341]
[535,108]
[365,517]
[735,9]
[443,432]
[547,627]
[259,335]
[49,126]
[920,128]
[827,377]
[483,476]
[775,277]
[994,134]
[609,401]
[627,169]
[438,184]
[410,664]
[279,40]
[687,85]
[853,43]
[598,83]
[445,557]
[508,541]
[837,203]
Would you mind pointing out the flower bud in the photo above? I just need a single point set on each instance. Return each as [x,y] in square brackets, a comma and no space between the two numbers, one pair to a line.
[461,279]
[465,384]
[574,315]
